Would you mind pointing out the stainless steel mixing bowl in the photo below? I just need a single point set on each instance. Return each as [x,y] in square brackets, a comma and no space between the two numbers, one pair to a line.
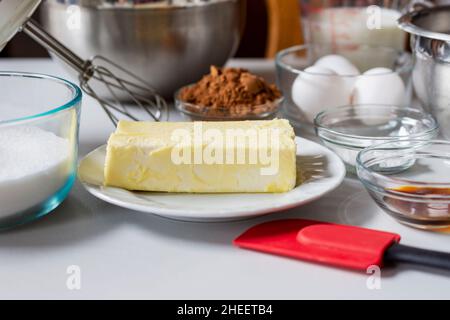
[167,45]
[430,42]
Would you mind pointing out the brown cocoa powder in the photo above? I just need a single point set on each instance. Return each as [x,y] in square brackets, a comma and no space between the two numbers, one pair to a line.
[230,92]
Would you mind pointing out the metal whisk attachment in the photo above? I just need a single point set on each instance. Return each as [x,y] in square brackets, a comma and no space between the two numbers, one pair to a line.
[114,87]
[131,87]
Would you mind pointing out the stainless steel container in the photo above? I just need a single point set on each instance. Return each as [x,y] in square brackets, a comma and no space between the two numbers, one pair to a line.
[430,41]
[168,45]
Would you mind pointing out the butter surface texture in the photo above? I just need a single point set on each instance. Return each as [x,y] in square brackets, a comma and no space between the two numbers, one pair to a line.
[202,157]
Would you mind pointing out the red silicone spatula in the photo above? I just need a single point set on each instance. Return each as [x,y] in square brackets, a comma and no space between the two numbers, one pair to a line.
[334,244]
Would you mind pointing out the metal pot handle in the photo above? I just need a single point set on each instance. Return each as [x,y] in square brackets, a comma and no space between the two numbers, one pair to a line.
[419,5]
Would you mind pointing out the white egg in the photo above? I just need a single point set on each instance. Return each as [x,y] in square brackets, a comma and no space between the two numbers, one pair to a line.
[378,86]
[319,88]
[342,66]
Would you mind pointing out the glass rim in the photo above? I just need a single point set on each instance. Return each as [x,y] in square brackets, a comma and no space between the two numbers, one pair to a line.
[361,166]
[74,100]
[323,113]
[302,47]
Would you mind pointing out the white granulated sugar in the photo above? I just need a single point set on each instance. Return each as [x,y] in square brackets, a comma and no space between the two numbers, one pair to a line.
[34,164]
[28,150]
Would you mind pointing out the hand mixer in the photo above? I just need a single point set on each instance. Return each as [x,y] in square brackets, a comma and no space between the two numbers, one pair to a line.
[121,85]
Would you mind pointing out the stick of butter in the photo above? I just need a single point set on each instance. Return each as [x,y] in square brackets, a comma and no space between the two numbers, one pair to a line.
[203,157]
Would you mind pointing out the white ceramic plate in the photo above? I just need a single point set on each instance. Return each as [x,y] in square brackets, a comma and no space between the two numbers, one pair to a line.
[319,170]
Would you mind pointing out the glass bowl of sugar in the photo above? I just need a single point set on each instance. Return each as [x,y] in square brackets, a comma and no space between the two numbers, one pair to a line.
[39,119]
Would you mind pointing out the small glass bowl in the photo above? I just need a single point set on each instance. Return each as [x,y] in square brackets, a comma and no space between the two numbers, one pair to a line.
[201,113]
[409,180]
[291,63]
[349,129]
[49,107]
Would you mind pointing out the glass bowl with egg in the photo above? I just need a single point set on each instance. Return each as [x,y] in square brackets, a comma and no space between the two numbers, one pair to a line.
[315,77]
[39,119]
[229,94]
[409,180]
[347,130]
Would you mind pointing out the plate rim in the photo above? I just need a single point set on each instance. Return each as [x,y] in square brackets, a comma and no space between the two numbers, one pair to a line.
[189,214]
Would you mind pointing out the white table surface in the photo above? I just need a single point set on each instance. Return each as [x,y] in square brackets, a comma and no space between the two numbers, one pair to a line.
[126,254]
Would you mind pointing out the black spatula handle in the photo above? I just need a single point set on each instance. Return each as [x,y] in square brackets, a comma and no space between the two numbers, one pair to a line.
[401,253]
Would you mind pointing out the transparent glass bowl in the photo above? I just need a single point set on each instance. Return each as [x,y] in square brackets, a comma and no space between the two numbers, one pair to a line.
[36,110]
[409,180]
[348,130]
[291,63]
[202,113]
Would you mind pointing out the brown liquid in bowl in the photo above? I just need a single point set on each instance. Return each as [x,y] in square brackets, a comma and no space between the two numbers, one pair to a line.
[432,209]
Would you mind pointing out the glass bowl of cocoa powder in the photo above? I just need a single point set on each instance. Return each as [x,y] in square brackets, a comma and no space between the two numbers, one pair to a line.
[229,94]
